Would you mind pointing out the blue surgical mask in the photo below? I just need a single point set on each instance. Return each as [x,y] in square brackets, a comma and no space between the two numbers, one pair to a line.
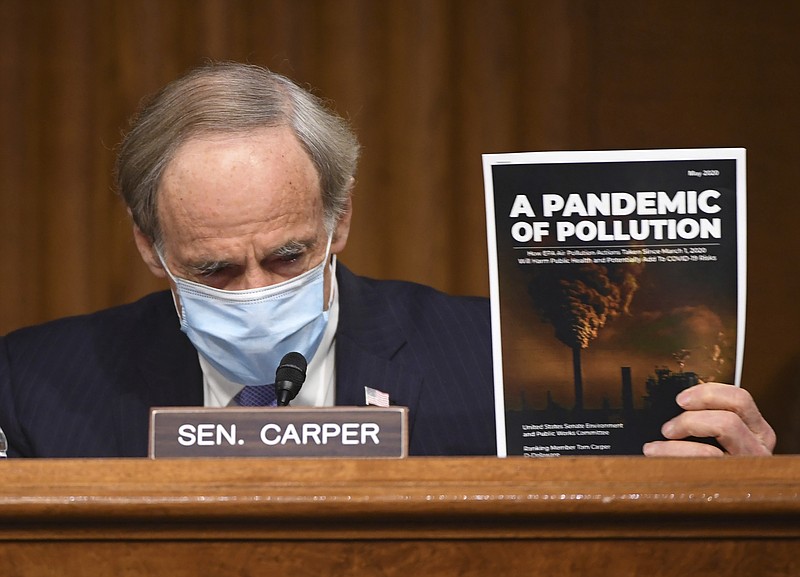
[245,333]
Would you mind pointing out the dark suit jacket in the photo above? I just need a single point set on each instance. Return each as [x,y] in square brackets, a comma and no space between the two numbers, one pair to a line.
[83,386]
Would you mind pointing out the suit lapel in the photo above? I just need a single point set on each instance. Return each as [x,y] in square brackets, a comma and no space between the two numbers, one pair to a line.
[168,374]
[371,348]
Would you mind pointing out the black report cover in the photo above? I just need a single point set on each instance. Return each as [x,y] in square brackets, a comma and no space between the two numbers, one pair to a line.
[617,279]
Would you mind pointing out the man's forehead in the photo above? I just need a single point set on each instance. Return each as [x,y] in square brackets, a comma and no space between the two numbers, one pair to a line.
[243,196]
[275,146]
[267,165]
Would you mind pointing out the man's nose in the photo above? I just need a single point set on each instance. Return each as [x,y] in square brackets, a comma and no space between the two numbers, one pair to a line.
[255,277]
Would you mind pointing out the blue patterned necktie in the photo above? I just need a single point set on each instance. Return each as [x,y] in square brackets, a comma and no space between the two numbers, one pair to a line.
[257,396]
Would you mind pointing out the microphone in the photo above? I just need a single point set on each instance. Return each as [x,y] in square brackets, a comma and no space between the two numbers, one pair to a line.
[289,377]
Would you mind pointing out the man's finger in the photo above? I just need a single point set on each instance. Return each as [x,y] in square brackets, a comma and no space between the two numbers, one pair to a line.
[722,397]
[725,426]
[680,449]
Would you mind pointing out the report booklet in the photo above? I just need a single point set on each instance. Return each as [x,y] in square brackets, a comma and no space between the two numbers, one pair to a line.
[617,279]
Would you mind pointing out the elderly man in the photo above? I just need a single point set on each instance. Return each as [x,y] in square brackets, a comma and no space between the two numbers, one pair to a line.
[238,183]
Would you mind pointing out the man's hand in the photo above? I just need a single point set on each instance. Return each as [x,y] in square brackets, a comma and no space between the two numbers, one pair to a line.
[717,410]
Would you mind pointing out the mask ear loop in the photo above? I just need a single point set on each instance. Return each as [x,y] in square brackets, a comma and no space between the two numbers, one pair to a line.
[332,268]
[175,299]
[164,263]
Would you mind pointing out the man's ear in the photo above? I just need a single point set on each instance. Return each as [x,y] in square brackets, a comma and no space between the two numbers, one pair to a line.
[148,252]
[342,229]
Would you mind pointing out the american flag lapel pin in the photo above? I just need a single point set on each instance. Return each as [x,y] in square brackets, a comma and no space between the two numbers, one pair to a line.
[375,397]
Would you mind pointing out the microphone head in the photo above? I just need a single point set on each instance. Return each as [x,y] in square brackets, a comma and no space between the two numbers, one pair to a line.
[289,377]
[292,368]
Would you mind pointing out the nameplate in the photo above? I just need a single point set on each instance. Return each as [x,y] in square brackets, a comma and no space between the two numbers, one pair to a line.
[199,432]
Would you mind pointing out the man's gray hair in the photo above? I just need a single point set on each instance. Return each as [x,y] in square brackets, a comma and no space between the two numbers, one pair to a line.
[226,98]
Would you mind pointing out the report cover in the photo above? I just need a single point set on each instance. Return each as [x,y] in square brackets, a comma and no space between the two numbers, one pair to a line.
[617,279]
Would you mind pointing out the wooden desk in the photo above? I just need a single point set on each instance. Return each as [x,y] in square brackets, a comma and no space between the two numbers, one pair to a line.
[417,517]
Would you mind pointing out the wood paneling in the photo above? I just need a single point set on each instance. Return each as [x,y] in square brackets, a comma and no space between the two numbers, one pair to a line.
[429,86]
[433,516]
